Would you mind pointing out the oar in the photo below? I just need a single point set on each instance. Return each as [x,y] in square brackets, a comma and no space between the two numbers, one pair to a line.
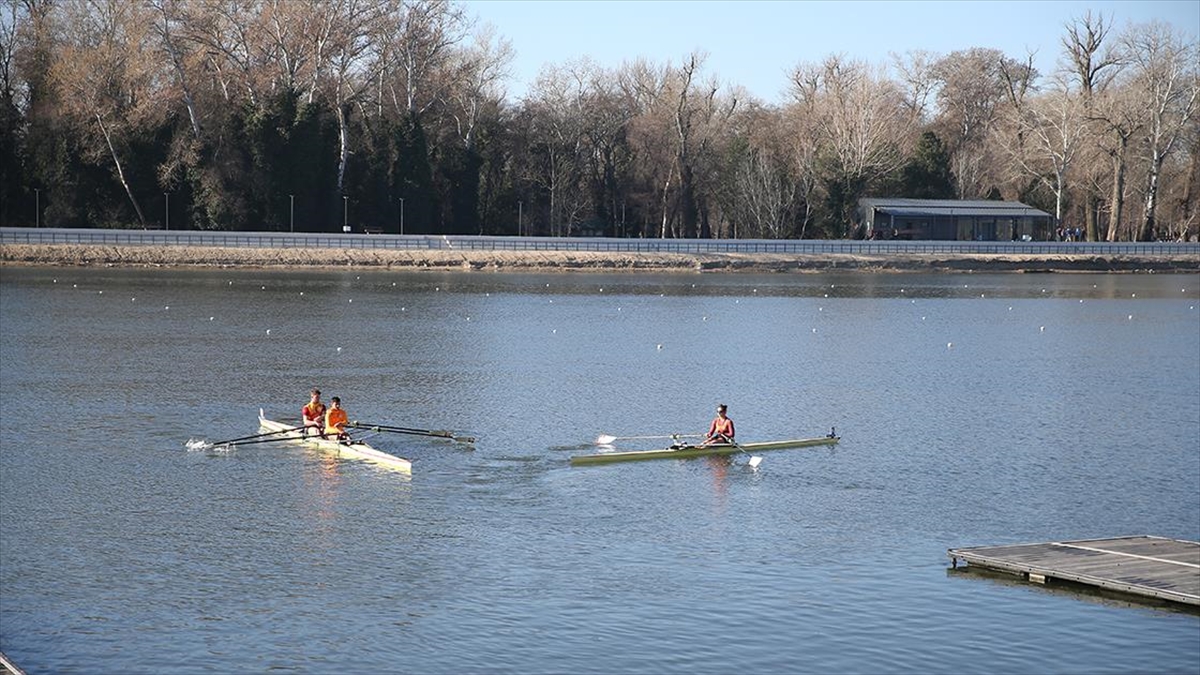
[605,439]
[411,431]
[206,444]
[754,461]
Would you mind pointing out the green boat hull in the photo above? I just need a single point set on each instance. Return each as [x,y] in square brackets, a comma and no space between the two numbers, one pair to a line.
[700,451]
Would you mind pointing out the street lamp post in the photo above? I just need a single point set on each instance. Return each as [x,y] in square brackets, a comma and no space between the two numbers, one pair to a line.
[292,212]
[345,213]
[402,215]
[37,206]
[166,210]
[520,213]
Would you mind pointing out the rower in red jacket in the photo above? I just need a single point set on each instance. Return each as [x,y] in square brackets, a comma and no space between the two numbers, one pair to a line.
[721,429]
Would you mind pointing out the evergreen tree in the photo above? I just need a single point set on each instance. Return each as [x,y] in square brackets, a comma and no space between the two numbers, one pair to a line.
[927,174]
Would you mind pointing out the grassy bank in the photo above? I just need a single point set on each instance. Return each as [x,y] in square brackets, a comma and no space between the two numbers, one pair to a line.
[546,261]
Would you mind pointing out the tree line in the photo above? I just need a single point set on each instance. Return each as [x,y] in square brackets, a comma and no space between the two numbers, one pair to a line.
[305,115]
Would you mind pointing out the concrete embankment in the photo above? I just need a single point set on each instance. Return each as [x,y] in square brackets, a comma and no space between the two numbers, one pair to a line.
[588,261]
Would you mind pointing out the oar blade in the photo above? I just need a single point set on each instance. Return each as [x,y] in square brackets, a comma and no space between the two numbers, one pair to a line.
[605,439]
[755,460]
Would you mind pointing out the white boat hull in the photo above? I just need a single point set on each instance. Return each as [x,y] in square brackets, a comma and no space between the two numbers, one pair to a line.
[352,449]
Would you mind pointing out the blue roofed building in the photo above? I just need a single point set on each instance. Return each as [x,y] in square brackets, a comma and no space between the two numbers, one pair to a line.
[954,220]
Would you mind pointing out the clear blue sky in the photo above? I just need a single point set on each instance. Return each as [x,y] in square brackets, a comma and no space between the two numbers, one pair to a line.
[755,43]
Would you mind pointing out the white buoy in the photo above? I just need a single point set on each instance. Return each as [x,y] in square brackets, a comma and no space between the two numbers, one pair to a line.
[101,292]
[350,300]
[211,318]
[949,345]
[660,345]
[1131,317]
[339,349]
[268,331]
[814,331]
[133,299]
[1042,329]
[553,331]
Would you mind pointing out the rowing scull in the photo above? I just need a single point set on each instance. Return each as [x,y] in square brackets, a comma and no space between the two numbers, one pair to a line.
[687,451]
[351,448]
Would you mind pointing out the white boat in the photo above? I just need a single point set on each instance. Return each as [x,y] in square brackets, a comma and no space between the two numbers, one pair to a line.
[351,448]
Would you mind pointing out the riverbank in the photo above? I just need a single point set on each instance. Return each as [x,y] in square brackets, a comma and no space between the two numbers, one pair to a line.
[589,261]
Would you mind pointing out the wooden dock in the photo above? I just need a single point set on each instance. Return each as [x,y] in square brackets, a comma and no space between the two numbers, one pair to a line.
[1157,567]
[8,667]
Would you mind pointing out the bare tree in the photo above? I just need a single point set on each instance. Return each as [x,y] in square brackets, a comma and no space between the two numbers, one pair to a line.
[478,72]
[1167,79]
[557,100]
[970,92]
[420,49]
[106,74]
[765,188]
[1116,118]
[1093,65]
[1054,126]
[860,135]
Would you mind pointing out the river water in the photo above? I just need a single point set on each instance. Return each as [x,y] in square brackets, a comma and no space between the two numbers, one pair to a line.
[974,410]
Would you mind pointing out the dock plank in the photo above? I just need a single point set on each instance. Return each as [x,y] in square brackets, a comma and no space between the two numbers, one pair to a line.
[1158,567]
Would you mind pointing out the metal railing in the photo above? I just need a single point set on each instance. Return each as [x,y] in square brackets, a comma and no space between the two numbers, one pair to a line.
[99,237]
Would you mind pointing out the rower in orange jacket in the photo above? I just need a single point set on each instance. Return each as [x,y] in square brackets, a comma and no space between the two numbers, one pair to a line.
[721,429]
[336,420]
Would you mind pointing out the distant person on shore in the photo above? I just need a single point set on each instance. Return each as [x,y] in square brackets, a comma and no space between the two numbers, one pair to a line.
[721,429]
[336,420]
[312,415]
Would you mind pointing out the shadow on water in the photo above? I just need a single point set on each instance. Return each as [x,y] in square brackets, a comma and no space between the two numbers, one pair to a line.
[1066,588]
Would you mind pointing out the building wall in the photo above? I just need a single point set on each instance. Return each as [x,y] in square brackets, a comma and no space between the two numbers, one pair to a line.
[881,225]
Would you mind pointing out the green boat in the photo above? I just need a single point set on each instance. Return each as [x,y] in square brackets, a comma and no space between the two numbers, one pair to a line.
[688,451]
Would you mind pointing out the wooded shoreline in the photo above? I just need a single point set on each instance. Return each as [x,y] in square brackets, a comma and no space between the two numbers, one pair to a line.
[583,261]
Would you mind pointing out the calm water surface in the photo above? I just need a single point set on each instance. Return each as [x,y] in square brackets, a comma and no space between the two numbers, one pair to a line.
[974,410]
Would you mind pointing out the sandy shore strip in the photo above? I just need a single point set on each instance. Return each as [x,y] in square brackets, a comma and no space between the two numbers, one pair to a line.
[586,261]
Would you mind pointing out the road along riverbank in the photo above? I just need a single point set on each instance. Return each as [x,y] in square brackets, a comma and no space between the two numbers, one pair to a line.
[589,261]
